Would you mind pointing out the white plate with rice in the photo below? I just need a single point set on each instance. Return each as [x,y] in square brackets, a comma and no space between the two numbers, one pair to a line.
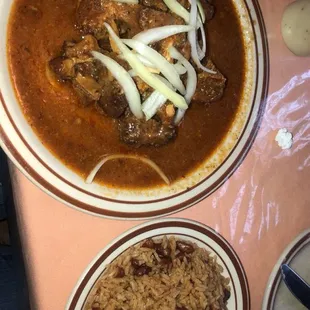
[166,264]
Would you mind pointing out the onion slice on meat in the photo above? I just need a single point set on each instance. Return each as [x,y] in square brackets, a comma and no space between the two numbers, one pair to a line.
[191,83]
[122,76]
[196,21]
[180,68]
[107,158]
[146,62]
[144,74]
[203,50]
[201,10]
[142,59]
[132,72]
[192,37]
[159,33]
[155,101]
[166,68]
[178,9]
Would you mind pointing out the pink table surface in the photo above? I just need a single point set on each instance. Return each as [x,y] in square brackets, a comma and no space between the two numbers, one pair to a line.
[260,209]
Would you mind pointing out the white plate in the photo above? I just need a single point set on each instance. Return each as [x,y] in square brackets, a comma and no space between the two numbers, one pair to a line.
[202,235]
[297,255]
[45,170]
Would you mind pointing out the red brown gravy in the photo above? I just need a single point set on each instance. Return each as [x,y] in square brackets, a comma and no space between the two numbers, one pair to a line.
[79,136]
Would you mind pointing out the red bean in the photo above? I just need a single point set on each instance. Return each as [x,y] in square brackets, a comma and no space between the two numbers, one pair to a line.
[185,247]
[135,263]
[95,306]
[166,261]
[120,273]
[142,270]
[181,256]
[148,243]
[161,251]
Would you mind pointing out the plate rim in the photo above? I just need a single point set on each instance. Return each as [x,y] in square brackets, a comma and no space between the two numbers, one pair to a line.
[149,226]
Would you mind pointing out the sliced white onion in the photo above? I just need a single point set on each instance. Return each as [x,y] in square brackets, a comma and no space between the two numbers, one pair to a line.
[142,59]
[155,101]
[191,83]
[166,68]
[180,68]
[203,50]
[192,37]
[166,82]
[159,33]
[201,10]
[107,158]
[127,1]
[145,61]
[122,76]
[178,9]
[179,116]
[132,73]
[201,55]
[144,74]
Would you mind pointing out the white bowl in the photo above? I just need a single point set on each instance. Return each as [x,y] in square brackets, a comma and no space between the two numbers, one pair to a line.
[202,235]
[45,170]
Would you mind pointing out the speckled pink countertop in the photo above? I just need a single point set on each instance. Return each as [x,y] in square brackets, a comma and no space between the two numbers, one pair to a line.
[259,210]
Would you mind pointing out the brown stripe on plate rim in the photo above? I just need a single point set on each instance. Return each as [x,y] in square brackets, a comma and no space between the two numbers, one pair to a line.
[277,279]
[209,232]
[87,207]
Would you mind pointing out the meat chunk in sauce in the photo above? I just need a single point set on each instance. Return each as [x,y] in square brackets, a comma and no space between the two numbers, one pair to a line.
[150,18]
[88,85]
[81,49]
[89,68]
[113,102]
[210,87]
[73,54]
[84,95]
[166,114]
[91,81]
[155,4]
[179,41]
[63,68]
[92,14]
[209,10]
[140,132]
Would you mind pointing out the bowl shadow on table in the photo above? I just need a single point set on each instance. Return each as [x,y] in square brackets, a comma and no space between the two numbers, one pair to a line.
[13,284]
